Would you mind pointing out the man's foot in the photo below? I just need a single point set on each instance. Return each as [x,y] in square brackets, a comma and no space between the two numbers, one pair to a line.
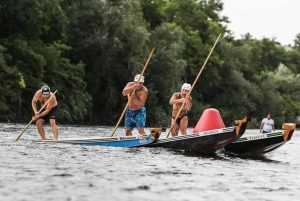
[142,136]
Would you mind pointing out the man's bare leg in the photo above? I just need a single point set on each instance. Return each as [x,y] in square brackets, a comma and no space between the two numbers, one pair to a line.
[175,128]
[183,125]
[128,132]
[142,132]
[39,124]
[54,128]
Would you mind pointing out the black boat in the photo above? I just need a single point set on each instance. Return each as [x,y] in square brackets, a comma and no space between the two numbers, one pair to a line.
[258,144]
[205,141]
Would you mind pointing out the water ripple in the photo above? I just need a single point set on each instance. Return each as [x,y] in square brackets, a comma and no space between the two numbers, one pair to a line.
[49,172]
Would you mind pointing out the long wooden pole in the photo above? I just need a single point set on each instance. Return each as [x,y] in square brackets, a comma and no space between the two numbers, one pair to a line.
[217,40]
[129,99]
[32,118]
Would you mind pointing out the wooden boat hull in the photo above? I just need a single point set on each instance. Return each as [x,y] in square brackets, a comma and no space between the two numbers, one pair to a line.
[261,143]
[110,141]
[206,141]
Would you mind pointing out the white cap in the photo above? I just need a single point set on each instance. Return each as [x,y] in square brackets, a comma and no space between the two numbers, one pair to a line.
[137,77]
[186,86]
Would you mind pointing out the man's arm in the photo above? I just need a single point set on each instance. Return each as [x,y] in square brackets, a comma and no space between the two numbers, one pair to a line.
[175,100]
[261,125]
[128,88]
[171,102]
[33,103]
[189,103]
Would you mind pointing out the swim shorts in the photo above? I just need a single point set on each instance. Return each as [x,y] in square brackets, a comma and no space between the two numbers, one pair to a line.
[135,118]
[51,115]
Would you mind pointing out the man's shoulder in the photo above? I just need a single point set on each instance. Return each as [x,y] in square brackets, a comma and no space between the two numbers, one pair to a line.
[38,93]
[52,98]
[177,94]
[145,89]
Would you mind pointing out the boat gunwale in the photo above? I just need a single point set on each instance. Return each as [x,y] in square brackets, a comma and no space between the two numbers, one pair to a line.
[196,135]
[87,140]
[251,137]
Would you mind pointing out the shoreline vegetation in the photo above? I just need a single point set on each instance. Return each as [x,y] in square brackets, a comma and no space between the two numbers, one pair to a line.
[88,50]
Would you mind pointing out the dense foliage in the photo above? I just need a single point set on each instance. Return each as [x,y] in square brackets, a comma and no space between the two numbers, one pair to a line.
[89,49]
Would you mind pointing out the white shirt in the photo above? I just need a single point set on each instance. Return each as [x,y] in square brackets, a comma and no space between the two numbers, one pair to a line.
[267,124]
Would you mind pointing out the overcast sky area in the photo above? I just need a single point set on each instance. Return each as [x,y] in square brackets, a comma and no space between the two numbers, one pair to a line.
[278,19]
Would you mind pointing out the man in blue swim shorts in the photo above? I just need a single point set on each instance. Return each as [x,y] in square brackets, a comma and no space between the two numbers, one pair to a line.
[137,95]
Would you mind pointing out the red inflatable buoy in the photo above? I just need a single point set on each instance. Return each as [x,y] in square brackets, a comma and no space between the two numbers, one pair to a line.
[210,120]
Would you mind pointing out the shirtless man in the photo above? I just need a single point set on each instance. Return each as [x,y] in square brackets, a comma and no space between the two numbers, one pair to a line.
[48,113]
[176,101]
[135,116]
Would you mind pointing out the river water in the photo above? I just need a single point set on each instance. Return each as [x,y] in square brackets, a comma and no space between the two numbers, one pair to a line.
[63,172]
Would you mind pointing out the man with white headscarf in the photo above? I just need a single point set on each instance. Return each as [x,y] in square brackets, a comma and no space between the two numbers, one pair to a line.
[176,101]
[135,116]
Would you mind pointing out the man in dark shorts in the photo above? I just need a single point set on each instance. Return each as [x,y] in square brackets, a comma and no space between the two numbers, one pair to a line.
[48,113]
[176,101]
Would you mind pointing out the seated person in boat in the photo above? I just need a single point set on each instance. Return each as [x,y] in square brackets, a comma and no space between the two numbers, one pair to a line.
[48,113]
[267,124]
[137,95]
[176,101]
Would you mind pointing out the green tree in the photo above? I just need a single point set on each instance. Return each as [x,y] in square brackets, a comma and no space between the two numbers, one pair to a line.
[33,37]
[110,37]
[11,83]
[165,71]
[235,96]
[152,12]
[282,90]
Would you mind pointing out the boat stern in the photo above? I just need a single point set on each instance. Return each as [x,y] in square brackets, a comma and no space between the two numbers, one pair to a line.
[288,130]
[240,125]
[155,133]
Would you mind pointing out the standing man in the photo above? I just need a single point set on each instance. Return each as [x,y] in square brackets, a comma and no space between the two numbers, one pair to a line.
[267,124]
[135,116]
[48,113]
[176,101]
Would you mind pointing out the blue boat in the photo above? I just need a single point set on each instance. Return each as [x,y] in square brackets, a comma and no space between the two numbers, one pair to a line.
[125,141]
